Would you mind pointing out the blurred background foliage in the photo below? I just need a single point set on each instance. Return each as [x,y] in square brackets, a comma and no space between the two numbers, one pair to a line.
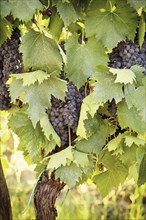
[127,202]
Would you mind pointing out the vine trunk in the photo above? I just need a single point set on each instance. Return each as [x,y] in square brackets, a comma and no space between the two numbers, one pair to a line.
[5,204]
[45,197]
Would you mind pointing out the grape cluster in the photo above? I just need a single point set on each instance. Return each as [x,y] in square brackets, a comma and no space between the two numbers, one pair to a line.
[64,115]
[127,54]
[10,62]
[47,12]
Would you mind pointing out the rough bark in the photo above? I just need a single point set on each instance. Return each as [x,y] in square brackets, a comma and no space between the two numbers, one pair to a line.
[47,191]
[5,205]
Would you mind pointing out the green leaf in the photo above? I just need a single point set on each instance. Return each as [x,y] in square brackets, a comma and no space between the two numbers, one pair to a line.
[128,157]
[5,30]
[48,129]
[81,131]
[82,59]
[104,19]
[130,140]
[137,3]
[130,118]
[140,154]
[115,174]
[38,95]
[105,88]
[53,28]
[142,30]
[15,88]
[69,174]
[139,72]
[66,11]
[138,95]
[32,141]
[142,171]
[123,75]
[95,143]
[114,143]
[23,10]
[61,158]
[128,91]
[40,52]
[32,77]
[80,158]
[111,178]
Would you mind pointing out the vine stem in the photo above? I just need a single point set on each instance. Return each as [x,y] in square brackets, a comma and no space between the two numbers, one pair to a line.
[69,136]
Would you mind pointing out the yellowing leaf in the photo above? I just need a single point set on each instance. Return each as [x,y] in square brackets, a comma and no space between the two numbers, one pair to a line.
[130,140]
[32,77]
[114,144]
[48,129]
[61,158]
[123,75]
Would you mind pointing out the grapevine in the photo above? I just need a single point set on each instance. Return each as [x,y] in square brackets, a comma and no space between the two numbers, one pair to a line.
[78,70]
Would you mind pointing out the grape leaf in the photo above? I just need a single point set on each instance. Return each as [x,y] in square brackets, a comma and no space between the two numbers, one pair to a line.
[69,174]
[80,158]
[123,75]
[105,88]
[142,171]
[128,157]
[82,59]
[81,131]
[23,10]
[92,123]
[48,129]
[104,19]
[32,77]
[54,29]
[114,143]
[40,52]
[140,154]
[137,3]
[138,95]
[66,11]
[5,30]
[128,91]
[130,118]
[139,72]
[38,95]
[130,140]
[95,143]
[115,174]
[32,141]
[142,30]
[111,178]
[15,88]
[61,158]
